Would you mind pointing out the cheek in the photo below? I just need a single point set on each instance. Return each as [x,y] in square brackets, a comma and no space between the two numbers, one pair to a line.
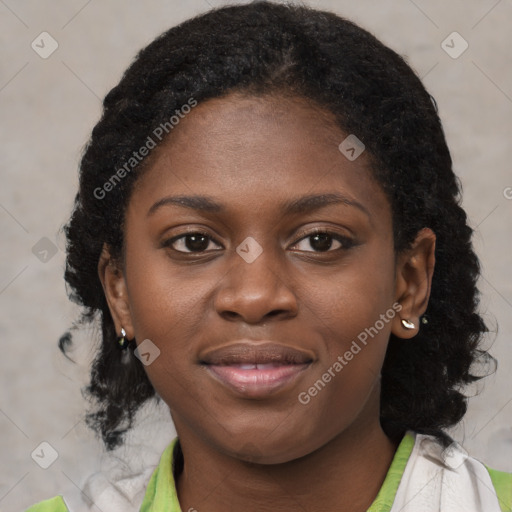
[163,298]
[165,307]
[350,300]
[354,312]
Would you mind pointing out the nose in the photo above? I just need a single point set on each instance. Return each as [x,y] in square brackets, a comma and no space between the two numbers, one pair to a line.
[257,291]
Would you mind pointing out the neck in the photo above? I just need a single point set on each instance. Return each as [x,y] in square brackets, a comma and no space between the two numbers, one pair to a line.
[344,474]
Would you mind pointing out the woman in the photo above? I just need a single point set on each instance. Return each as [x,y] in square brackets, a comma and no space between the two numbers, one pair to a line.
[268,229]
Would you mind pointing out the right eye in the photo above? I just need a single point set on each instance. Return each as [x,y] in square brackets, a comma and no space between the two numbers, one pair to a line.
[193,242]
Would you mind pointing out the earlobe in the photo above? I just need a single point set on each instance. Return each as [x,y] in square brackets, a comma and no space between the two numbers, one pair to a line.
[114,287]
[415,268]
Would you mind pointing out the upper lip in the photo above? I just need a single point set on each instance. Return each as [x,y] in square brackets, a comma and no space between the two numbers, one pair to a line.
[245,352]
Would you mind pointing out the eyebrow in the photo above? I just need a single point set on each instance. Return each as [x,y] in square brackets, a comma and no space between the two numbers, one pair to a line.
[304,204]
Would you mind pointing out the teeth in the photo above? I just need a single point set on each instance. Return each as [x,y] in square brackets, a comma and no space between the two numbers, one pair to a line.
[266,366]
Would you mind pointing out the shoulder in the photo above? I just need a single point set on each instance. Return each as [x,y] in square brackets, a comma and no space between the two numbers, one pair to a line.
[157,494]
[56,504]
[502,482]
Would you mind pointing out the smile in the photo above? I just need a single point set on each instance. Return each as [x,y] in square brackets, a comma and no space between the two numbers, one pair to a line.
[256,370]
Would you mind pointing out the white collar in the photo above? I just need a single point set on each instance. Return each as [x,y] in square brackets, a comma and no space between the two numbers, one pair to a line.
[444,480]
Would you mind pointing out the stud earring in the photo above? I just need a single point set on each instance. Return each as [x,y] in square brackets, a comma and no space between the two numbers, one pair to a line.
[123,342]
[407,324]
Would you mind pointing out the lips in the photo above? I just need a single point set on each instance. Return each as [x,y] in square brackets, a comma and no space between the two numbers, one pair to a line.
[256,370]
[248,352]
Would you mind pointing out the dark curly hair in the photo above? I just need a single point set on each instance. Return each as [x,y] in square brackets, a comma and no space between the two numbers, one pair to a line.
[259,49]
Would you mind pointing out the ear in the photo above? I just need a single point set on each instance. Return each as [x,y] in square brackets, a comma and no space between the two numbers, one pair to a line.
[414,271]
[114,287]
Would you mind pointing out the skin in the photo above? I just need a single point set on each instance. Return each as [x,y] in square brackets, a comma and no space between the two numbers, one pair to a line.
[252,154]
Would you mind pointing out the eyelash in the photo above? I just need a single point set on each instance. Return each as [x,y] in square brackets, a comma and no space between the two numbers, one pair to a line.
[346,242]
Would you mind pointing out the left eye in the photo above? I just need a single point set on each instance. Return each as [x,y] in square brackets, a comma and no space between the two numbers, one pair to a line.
[322,241]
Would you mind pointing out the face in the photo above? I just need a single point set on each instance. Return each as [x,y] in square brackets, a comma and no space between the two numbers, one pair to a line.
[270,292]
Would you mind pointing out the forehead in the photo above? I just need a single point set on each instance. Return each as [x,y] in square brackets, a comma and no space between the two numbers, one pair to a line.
[237,118]
[257,150]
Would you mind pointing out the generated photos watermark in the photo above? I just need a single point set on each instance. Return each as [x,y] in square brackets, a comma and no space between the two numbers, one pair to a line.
[146,352]
[305,397]
[352,147]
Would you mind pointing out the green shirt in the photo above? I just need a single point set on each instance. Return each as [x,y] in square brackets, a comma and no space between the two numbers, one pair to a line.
[161,492]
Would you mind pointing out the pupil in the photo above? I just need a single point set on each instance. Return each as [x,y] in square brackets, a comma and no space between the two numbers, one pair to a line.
[196,243]
[325,241]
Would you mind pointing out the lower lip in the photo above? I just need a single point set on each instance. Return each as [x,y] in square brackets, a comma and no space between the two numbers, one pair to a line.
[257,383]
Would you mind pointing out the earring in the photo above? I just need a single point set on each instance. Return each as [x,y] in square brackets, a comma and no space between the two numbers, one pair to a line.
[123,342]
[407,324]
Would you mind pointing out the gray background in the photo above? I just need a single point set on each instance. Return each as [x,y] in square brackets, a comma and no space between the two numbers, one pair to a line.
[48,108]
